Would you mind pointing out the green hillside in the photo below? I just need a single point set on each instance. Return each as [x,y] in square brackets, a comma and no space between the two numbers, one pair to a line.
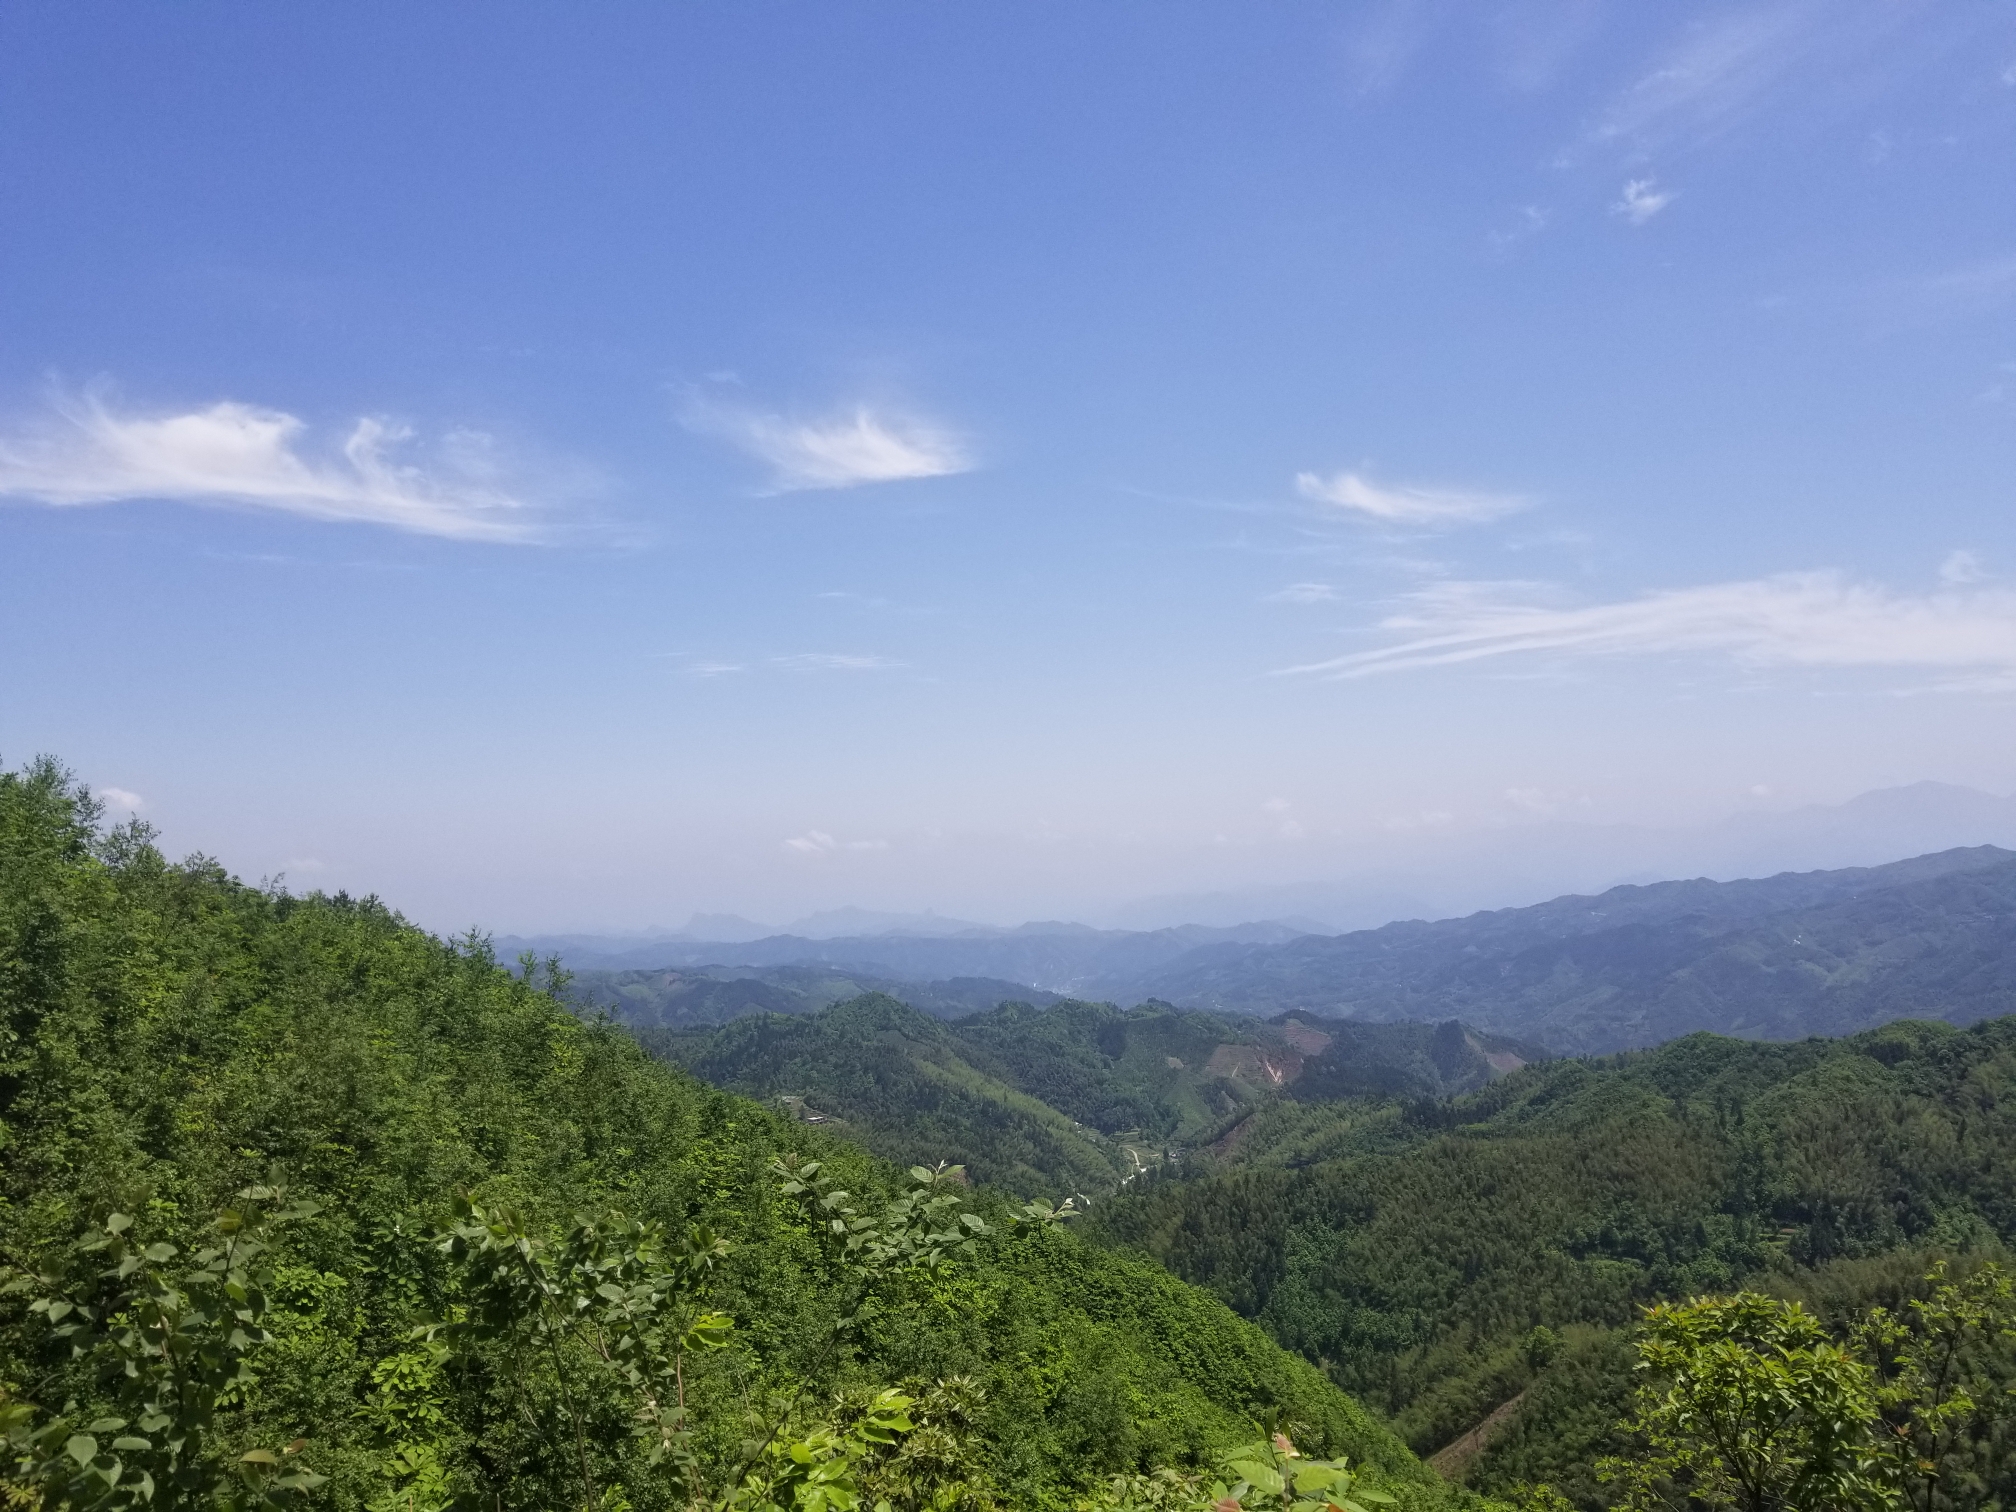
[893,1079]
[172,1036]
[1772,958]
[1073,1097]
[690,997]
[1415,1248]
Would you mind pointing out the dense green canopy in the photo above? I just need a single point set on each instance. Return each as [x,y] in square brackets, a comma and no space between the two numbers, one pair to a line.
[1416,1248]
[171,1035]
[1069,1096]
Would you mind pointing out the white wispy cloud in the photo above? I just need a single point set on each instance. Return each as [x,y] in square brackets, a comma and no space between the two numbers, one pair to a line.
[831,661]
[1718,74]
[861,445]
[1303,593]
[819,843]
[1405,505]
[1803,619]
[122,800]
[1642,199]
[1807,61]
[245,456]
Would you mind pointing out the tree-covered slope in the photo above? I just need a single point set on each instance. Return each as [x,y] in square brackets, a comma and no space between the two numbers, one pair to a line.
[1072,1097]
[168,1036]
[1414,1249]
[1774,958]
[895,1081]
[692,997]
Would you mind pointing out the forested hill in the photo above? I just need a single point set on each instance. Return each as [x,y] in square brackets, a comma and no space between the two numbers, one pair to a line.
[1415,1250]
[694,997]
[1072,1097]
[1777,958]
[172,1038]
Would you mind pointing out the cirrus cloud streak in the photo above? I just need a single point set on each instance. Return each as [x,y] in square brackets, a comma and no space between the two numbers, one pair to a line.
[819,843]
[846,450]
[1801,619]
[250,457]
[1404,505]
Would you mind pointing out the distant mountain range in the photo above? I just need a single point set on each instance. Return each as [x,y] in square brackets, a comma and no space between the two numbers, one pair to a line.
[1815,952]
[1775,958]
[1427,875]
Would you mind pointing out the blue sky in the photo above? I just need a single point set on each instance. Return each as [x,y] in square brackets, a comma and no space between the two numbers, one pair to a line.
[568,467]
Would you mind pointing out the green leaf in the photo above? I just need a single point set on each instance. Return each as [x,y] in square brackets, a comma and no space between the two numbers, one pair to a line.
[709,1331]
[1264,1477]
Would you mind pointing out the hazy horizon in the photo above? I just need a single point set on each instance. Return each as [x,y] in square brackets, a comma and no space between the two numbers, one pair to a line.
[575,470]
[1444,875]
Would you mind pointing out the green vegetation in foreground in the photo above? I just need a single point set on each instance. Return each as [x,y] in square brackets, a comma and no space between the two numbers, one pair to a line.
[173,1039]
[1069,1098]
[1440,1259]
[1749,1402]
